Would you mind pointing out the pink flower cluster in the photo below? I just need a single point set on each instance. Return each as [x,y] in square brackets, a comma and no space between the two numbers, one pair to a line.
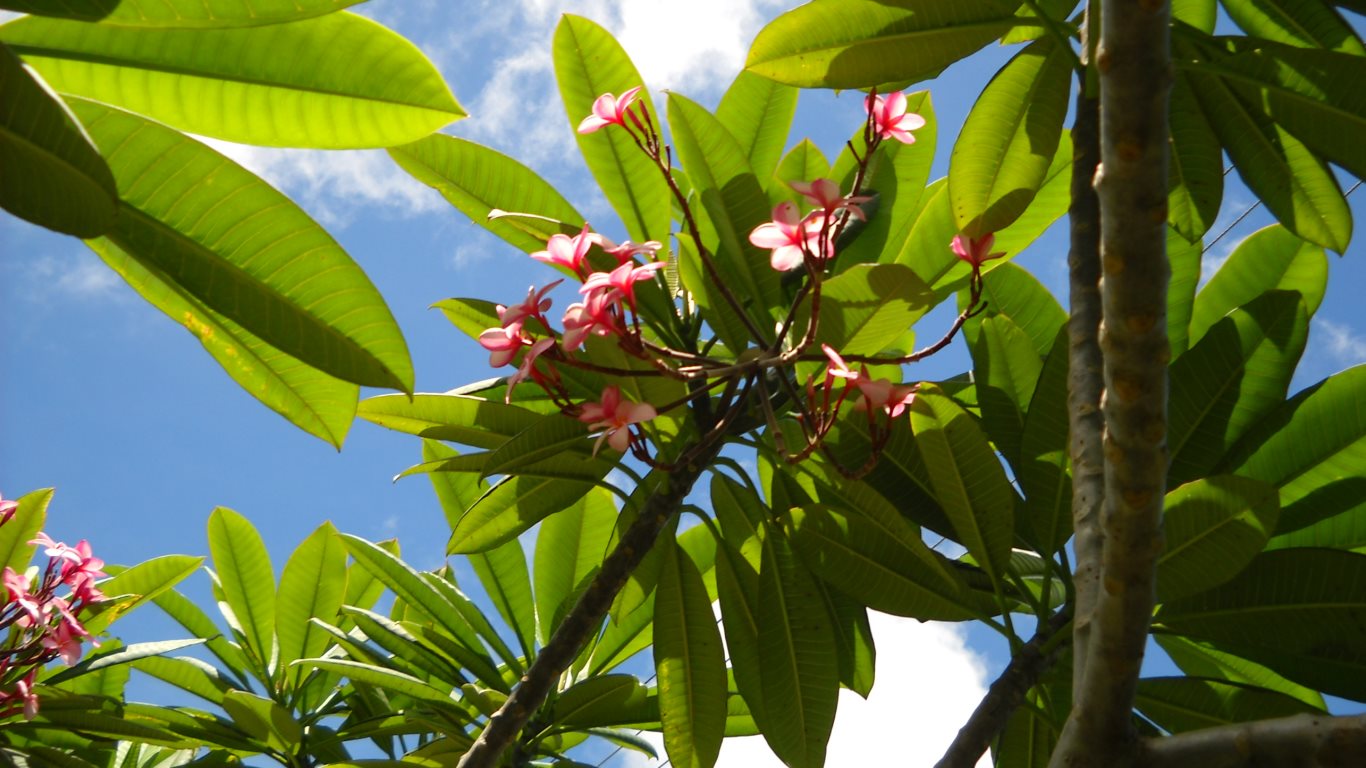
[892,399]
[44,626]
[609,301]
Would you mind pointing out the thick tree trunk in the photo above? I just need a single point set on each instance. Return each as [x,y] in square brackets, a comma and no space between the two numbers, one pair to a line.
[1134,65]
[1301,741]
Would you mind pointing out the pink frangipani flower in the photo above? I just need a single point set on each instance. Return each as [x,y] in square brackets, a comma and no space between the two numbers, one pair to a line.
[615,416]
[790,236]
[526,369]
[623,279]
[838,368]
[609,110]
[894,399]
[628,250]
[890,118]
[7,508]
[825,195]
[592,315]
[17,585]
[535,305]
[561,250]
[975,250]
[502,344]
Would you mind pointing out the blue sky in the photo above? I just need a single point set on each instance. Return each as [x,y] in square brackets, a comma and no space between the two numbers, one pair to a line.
[142,434]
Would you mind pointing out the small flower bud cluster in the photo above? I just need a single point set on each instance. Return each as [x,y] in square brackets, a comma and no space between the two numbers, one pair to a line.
[43,625]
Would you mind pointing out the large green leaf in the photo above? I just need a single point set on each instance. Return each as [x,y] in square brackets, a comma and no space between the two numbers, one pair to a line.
[1200,14]
[244,571]
[381,677]
[569,550]
[1012,291]
[1003,153]
[16,549]
[1043,470]
[1195,173]
[1313,449]
[54,176]
[1049,204]
[1179,704]
[1301,612]
[1006,369]
[480,181]
[740,514]
[877,558]
[347,81]
[189,674]
[317,403]
[266,721]
[589,62]
[804,162]
[457,418]
[312,585]
[689,664]
[867,307]
[1184,258]
[799,676]
[1283,172]
[1200,659]
[1307,23]
[1235,376]
[734,204]
[862,43]
[967,478]
[179,13]
[1212,527]
[195,621]
[758,112]
[1270,259]
[503,572]
[554,434]
[509,508]
[282,277]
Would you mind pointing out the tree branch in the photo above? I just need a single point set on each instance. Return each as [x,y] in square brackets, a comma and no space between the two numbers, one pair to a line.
[556,656]
[1134,65]
[1300,741]
[1004,696]
[1085,377]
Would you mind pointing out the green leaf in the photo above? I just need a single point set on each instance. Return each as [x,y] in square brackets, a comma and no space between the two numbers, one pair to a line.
[588,63]
[197,623]
[803,162]
[125,655]
[509,508]
[1199,659]
[382,678]
[853,637]
[188,674]
[1195,173]
[1057,10]
[15,535]
[1235,376]
[1313,449]
[347,81]
[799,676]
[1008,142]
[283,278]
[147,580]
[1200,14]
[600,701]
[1306,23]
[1043,472]
[1301,612]
[758,112]
[54,175]
[1270,259]
[967,478]
[689,664]
[243,567]
[265,720]
[455,491]
[740,514]
[179,13]
[315,402]
[1294,184]
[877,558]
[312,585]
[1212,527]
[457,418]
[1180,704]
[734,203]
[1049,204]
[480,181]
[862,43]
[1184,258]
[569,551]
[1006,368]
[552,435]
[867,307]
[503,572]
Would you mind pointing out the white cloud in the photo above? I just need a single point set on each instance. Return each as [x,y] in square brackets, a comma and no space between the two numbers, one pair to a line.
[928,684]
[75,273]
[336,186]
[1344,344]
